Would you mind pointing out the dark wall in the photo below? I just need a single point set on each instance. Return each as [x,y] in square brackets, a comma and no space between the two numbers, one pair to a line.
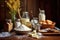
[56,11]
[2,13]
[52,10]
[51,7]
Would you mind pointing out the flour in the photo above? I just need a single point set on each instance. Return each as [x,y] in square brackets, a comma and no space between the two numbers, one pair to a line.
[22,28]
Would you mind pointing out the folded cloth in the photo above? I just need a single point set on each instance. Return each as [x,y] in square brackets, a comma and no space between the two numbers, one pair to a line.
[5,34]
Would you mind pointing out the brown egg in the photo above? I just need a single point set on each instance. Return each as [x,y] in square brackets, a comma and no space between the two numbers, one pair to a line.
[49,22]
[41,22]
[44,23]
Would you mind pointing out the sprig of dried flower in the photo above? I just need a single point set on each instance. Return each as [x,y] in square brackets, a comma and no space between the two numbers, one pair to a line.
[14,6]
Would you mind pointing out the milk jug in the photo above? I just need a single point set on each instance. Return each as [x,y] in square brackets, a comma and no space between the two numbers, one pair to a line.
[42,16]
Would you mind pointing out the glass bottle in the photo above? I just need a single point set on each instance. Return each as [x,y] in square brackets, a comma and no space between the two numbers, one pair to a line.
[42,16]
[25,17]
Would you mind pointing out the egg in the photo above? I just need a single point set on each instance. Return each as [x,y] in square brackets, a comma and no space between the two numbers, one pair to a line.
[44,23]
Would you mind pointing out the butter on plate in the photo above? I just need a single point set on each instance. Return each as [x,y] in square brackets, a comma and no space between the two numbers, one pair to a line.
[34,34]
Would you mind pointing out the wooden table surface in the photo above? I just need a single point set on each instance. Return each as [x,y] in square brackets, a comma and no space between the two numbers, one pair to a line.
[24,37]
[45,36]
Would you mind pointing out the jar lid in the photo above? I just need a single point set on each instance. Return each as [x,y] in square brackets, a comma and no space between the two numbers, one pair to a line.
[42,10]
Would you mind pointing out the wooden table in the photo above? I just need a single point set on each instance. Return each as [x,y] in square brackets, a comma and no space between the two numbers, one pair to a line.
[24,37]
[46,36]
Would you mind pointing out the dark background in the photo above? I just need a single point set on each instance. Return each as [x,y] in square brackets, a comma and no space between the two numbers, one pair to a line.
[51,7]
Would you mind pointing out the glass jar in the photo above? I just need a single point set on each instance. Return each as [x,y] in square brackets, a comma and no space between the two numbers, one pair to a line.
[25,15]
[25,18]
[17,23]
[35,24]
[42,16]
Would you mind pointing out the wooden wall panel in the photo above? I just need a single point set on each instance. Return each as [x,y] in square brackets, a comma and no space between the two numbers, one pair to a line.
[2,10]
[32,6]
[2,13]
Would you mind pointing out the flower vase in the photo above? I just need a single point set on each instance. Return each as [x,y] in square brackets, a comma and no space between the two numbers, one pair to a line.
[13,18]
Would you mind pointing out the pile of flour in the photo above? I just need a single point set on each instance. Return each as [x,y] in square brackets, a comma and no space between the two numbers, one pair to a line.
[23,28]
